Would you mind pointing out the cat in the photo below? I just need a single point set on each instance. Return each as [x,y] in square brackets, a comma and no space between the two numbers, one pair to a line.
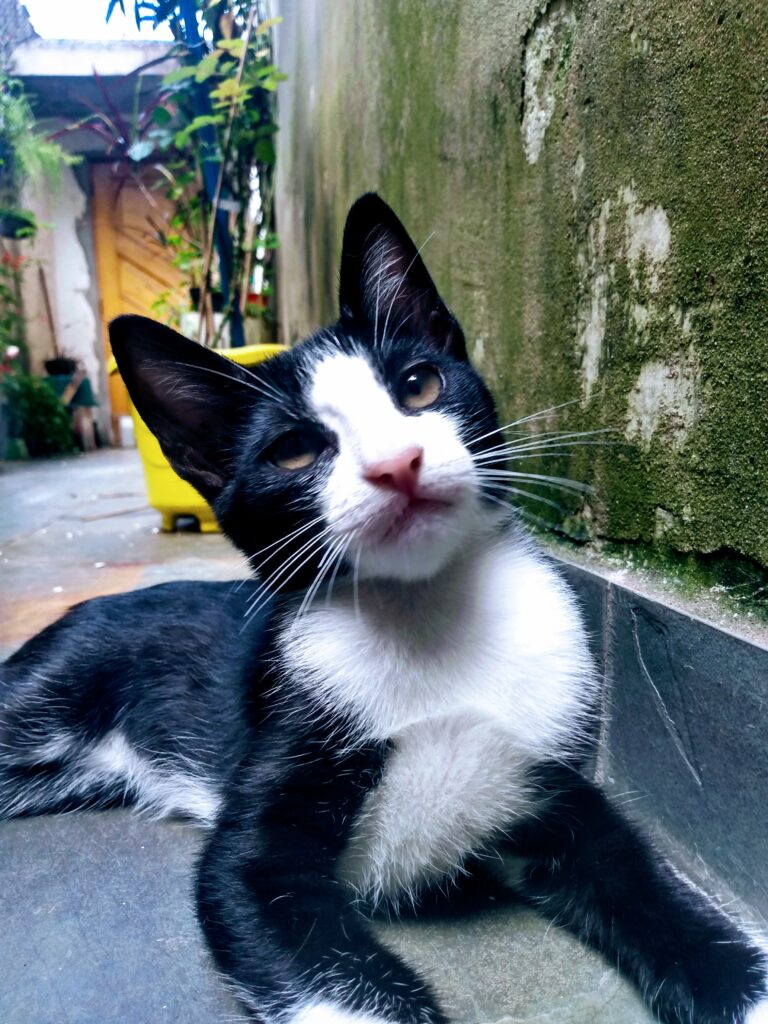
[403,694]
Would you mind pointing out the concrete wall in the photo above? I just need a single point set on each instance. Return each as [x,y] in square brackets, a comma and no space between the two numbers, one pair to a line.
[595,177]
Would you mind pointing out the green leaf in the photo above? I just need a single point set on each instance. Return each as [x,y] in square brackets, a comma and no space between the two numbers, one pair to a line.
[182,138]
[264,131]
[207,67]
[265,151]
[265,26]
[179,74]
[161,116]
[229,91]
[234,47]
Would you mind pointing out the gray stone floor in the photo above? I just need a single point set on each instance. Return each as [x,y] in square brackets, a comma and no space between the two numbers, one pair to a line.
[96,922]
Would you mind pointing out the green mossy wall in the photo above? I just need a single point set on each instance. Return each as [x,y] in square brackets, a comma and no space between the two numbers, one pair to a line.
[620,258]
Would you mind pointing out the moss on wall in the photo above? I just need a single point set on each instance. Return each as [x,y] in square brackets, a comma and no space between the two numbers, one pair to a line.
[596,178]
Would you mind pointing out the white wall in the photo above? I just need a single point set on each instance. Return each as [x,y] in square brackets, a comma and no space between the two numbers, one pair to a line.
[63,250]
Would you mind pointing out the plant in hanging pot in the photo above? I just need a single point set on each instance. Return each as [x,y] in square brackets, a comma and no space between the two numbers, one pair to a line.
[26,155]
[17,224]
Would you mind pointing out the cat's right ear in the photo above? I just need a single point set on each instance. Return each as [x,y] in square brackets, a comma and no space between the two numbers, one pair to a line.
[194,401]
[384,283]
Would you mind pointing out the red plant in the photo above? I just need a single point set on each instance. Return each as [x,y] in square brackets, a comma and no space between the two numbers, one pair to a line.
[13,262]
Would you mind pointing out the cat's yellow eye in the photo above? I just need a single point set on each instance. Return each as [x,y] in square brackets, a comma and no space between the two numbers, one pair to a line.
[297,449]
[420,387]
[300,461]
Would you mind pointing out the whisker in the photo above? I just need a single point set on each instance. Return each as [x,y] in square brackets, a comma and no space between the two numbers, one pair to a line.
[402,282]
[543,440]
[260,390]
[526,419]
[549,481]
[563,453]
[315,547]
[326,563]
[339,561]
[356,582]
[515,510]
[535,497]
[272,578]
[283,541]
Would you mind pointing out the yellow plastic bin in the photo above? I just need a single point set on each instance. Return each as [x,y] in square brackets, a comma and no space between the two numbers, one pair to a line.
[166,491]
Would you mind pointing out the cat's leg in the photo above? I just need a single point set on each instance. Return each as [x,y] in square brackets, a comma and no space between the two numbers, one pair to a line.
[100,710]
[592,871]
[280,924]
[48,724]
[69,743]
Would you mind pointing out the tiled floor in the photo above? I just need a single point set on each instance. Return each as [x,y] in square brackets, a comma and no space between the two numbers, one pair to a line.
[96,924]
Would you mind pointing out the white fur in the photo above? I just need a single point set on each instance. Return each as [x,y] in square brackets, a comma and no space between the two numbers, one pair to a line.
[473,675]
[497,634]
[330,1013]
[57,745]
[759,1012]
[162,791]
[350,401]
[450,783]
[384,280]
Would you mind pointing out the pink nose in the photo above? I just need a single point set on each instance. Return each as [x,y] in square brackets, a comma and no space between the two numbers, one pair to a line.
[400,473]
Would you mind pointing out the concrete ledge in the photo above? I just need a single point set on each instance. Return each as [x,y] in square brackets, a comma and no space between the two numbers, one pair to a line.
[69,58]
[685,736]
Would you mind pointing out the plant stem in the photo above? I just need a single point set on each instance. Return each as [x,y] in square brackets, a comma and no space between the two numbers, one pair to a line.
[220,180]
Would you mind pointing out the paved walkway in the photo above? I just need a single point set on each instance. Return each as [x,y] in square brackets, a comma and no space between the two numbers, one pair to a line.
[96,924]
[74,528]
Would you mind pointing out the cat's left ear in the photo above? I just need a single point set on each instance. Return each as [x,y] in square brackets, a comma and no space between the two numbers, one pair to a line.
[384,283]
[194,401]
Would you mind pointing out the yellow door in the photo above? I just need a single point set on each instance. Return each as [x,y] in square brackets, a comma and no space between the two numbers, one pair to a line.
[134,267]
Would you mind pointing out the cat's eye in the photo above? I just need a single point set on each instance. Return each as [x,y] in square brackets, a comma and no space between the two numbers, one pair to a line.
[420,387]
[297,449]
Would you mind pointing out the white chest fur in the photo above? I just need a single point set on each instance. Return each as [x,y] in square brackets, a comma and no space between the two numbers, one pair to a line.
[473,676]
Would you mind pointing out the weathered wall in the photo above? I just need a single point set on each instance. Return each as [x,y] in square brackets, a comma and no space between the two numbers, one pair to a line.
[63,248]
[596,175]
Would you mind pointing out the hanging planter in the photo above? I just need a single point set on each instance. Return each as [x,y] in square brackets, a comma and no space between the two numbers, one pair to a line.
[17,224]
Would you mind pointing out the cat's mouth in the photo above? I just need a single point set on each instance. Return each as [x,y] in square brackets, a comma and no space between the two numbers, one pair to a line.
[413,513]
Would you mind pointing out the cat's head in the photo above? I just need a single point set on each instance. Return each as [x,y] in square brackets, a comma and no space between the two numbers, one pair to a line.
[356,450]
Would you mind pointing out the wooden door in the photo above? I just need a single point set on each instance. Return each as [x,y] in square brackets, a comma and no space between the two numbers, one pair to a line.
[134,267]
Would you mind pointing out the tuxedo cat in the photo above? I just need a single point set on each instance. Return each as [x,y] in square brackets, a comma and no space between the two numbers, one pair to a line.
[402,694]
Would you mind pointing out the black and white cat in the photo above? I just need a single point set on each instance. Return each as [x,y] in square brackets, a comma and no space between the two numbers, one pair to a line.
[404,694]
